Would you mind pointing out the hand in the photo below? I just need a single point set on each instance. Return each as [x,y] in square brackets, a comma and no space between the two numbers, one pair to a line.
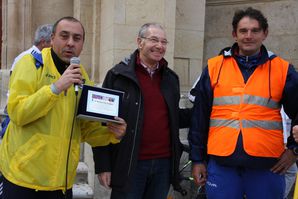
[199,173]
[285,161]
[105,179]
[295,133]
[70,76]
[118,129]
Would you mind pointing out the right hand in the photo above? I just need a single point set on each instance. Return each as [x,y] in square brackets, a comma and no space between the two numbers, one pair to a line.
[286,160]
[105,179]
[199,173]
[295,133]
[70,76]
[118,129]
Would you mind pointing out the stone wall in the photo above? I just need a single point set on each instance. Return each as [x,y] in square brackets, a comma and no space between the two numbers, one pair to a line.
[189,41]
[20,18]
[282,18]
[120,22]
[111,29]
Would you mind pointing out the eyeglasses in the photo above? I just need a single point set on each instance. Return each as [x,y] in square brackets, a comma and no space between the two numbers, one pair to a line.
[253,31]
[155,40]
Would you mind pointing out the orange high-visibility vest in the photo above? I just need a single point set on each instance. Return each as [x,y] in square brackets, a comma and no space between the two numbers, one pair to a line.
[252,107]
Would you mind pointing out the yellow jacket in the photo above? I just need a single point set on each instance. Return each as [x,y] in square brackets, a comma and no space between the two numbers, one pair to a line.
[34,149]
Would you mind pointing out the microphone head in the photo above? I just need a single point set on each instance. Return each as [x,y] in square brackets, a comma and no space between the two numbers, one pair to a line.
[75,60]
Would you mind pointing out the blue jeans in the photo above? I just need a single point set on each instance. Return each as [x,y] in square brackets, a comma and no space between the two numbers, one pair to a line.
[151,180]
[233,182]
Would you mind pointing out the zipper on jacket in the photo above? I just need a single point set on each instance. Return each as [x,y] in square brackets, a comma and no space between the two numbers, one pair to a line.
[135,135]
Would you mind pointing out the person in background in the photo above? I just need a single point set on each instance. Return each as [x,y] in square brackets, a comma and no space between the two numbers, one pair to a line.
[42,39]
[146,161]
[236,136]
[295,135]
[40,149]
[290,175]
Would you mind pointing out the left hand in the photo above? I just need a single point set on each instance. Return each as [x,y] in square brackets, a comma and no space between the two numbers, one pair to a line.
[118,129]
[295,133]
[285,161]
[105,179]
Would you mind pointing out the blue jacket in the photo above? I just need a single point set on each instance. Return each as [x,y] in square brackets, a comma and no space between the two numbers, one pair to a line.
[198,134]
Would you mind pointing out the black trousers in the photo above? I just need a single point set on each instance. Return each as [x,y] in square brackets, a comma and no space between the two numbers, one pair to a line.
[13,191]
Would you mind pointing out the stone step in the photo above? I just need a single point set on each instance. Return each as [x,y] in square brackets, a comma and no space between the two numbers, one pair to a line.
[82,173]
[81,188]
[82,191]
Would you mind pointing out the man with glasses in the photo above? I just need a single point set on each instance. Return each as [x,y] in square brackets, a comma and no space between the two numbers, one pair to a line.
[146,161]
[236,124]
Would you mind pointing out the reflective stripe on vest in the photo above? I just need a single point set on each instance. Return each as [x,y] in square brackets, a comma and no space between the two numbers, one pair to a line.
[226,100]
[226,123]
[263,124]
[248,99]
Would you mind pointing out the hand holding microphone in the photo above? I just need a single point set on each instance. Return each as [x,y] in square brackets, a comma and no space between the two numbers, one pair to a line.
[71,76]
[75,60]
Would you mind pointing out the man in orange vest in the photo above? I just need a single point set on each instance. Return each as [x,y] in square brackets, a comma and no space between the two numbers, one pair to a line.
[236,137]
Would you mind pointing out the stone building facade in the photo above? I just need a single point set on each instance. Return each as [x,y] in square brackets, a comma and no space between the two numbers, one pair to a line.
[196,30]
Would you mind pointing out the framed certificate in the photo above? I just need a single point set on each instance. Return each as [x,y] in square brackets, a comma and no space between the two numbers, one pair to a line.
[99,104]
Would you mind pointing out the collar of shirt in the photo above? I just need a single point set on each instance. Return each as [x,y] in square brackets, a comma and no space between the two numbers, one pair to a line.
[248,61]
[150,71]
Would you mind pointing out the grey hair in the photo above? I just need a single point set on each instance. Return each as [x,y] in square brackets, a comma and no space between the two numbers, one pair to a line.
[143,30]
[43,32]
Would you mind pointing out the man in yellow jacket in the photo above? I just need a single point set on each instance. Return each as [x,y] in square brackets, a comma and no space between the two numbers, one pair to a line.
[41,147]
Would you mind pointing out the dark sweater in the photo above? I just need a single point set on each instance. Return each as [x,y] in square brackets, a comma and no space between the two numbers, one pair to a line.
[155,141]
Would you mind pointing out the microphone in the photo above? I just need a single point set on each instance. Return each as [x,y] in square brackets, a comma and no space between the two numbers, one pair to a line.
[75,60]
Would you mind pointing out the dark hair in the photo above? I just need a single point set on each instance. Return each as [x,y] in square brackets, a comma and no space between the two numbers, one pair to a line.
[68,18]
[251,13]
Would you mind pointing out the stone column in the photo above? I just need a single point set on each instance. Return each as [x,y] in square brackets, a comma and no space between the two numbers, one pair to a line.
[20,20]
[189,41]
[17,29]
[44,12]
[88,11]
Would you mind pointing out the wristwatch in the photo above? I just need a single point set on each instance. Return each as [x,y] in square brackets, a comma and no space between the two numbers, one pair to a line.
[295,151]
